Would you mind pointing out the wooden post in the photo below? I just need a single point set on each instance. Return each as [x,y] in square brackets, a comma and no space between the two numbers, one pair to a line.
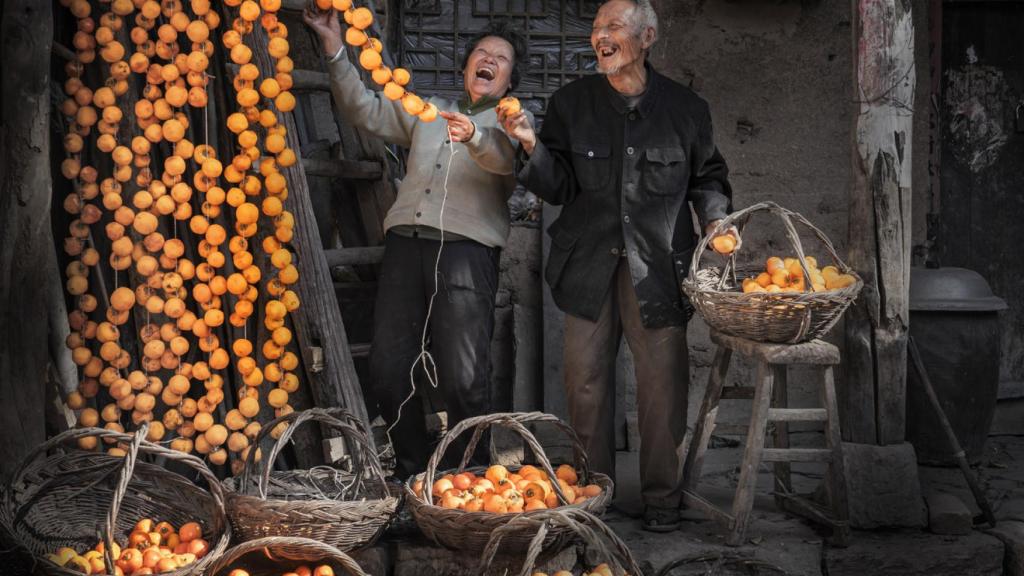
[874,397]
[26,241]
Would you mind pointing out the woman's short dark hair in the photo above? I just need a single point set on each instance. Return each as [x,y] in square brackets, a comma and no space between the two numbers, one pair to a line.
[504,30]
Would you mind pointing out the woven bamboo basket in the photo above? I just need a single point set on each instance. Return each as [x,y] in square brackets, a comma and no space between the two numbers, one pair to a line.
[594,534]
[470,531]
[344,510]
[781,317]
[67,497]
[276,555]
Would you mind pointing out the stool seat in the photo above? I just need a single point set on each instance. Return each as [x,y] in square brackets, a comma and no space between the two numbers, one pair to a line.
[815,352]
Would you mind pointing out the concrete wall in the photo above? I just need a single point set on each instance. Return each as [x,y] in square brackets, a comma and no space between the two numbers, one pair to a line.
[778,76]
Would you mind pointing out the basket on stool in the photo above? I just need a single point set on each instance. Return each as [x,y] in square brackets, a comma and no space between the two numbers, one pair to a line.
[595,535]
[280,554]
[470,531]
[74,498]
[786,317]
[345,510]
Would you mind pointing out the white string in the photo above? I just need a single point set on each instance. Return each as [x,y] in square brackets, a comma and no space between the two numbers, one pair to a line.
[424,356]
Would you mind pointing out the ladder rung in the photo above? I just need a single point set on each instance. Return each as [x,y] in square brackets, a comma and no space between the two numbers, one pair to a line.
[797,415]
[737,393]
[348,169]
[360,255]
[310,80]
[796,455]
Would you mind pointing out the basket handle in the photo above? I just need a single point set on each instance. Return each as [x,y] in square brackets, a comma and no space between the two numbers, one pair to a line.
[514,421]
[787,217]
[136,444]
[288,548]
[352,429]
[594,533]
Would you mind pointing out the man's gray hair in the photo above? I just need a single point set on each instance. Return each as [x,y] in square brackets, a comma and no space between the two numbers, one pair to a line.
[646,17]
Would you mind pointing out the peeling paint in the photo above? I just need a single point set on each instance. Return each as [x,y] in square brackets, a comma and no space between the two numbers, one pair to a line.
[975,98]
[886,78]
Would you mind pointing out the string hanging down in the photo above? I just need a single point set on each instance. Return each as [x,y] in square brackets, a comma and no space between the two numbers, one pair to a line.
[424,357]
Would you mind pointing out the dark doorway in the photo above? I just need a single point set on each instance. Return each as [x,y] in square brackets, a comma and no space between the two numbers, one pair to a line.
[982,163]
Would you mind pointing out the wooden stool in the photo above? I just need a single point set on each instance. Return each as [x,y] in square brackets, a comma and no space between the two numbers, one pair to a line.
[770,402]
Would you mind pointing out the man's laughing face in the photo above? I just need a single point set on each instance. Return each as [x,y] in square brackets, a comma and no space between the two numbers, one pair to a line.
[616,37]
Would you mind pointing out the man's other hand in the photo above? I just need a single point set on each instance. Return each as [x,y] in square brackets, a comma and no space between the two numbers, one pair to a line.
[518,127]
[723,247]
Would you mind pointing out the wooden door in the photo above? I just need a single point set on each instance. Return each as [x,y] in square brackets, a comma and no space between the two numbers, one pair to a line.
[981,211]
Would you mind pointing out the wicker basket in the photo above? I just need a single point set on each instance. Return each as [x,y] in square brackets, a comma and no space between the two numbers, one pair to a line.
[278,555]
[345,510]
[589,529]
[783,317]
[75,498]
[470,531]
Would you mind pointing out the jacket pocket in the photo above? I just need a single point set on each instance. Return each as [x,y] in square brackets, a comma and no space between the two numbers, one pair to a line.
[592,164]
[562,245]
[664,171]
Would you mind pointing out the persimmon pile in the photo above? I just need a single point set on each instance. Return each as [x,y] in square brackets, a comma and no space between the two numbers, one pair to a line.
[152,547]
[166,233]
[301,570]
[500,491]
[786,275]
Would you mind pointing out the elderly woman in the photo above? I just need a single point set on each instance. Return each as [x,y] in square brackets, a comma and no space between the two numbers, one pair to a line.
[474,226]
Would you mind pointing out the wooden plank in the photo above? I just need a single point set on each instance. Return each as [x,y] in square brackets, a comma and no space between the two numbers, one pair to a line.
[319,327]
[797,415]
[706,418]
[360,255]
[340,168]
[813,352]
[780,433]
[310,80]
[743,504]
[796,455]
[693,500]
[836,484]
[26,241]
[880,217]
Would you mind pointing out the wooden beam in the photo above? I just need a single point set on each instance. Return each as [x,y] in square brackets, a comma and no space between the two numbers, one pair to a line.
[796,455]
[310,80]
[874,397]
[797,415]
[347,169]
[319,328]
[361,255]
[26,241]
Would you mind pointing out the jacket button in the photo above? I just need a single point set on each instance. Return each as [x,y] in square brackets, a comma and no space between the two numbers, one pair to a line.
[626,218]
[418,214]
[438,166]
[615,251]
[632,115]
[427,191]
[590,154]
[629,150]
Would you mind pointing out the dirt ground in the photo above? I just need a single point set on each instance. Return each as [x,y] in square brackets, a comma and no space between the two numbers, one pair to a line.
[781,544]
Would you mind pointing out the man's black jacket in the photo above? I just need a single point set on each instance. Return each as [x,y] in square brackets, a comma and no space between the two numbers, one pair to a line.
[624,179]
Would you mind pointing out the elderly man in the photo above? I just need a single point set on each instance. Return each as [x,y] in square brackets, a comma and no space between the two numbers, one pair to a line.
[460,199]
[624,152]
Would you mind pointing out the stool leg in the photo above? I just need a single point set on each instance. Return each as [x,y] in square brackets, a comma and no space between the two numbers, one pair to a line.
[836,469]
[706,419]
[780,434]
[744,501]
